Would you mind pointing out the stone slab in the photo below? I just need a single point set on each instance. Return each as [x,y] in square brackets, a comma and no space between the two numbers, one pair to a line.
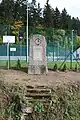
[37,56]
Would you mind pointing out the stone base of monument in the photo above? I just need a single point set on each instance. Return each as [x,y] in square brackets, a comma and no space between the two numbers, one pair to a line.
[34,69]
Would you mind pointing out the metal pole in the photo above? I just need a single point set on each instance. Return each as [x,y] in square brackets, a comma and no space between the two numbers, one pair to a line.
[27,31]
[20,51]
[65,46]
[72,44]
[8,54]
[76,45]
[71,50]
[53,44]
[58,51]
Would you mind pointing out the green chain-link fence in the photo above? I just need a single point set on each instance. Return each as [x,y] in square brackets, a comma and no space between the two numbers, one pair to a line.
[62,46]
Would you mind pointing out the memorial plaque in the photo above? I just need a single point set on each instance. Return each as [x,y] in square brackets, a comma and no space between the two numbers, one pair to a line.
[37,56]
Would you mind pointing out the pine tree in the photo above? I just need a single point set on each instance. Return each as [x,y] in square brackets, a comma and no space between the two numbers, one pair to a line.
[34,14]
[64,19]
[57,18]
[48,15]
[69,22]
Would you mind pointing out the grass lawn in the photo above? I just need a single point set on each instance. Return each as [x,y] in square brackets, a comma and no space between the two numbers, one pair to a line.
[13,63]
[60,64]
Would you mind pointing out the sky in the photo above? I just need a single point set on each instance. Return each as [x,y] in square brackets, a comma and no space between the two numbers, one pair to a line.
[72,6]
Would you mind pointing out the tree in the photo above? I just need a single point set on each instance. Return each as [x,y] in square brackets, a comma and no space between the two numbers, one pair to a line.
[48,15]
[6,11]
[64,19]
[69,22]
[39,15]
[57,18]
[73,23]
[77,25]
[34,14]
[16,28]
[18,11]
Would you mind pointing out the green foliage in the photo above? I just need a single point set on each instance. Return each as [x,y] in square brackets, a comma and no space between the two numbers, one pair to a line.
[39,107]
[64,103]
[1,40]
[18,64]
[76,67]
[64,18]
[7,7]
[57,18]
[48,17]
[14,108]
[6,63]
[78,40]
[64,67]
[55,67]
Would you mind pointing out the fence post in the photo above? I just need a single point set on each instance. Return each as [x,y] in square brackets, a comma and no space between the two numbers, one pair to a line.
[71,53]
[53,44]
[65,46]
[53,51]
[8,58]
[57,51]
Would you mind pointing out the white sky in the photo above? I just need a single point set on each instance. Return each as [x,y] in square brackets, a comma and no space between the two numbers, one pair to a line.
[72,6]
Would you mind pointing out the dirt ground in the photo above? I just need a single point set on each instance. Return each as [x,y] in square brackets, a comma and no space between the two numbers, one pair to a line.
[51,79]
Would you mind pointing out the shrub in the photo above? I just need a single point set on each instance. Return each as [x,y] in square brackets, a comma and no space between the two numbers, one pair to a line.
[76,67]
[64,103]
[18,64]
[55,67]
[6,63]
[14,108]
[64,67]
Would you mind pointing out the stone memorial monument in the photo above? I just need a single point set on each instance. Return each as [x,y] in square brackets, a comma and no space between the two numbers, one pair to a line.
[37,55]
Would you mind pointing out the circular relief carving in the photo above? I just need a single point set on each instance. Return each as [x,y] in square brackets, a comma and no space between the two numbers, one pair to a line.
[37,41]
